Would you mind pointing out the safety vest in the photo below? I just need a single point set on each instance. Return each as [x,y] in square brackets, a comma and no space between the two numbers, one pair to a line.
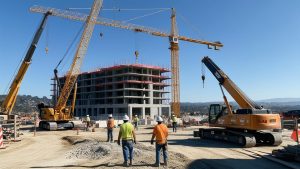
[136,119]
[126,131]
[110,123]
[161,133]
[88,119]
[174,119]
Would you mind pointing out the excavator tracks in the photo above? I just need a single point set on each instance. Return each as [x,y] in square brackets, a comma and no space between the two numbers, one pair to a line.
[242,139]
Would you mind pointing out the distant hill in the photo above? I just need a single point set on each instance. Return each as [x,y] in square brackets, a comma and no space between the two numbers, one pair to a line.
[276,105]
[26,103]
[281,100]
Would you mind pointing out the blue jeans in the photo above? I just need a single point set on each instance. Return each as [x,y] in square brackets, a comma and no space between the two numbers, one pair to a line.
[158,147]
[174,126]
[136,125]
[110,135]
[127,146]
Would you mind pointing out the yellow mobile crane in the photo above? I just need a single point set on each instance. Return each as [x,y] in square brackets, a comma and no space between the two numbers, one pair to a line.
[60,115]
[10,99]
[247,126]
[173,36]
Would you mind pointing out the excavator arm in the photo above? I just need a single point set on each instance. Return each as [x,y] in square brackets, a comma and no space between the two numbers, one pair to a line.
[10,99]
[237,94]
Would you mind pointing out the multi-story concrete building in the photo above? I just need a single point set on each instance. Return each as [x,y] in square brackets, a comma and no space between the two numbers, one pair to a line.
[133,89]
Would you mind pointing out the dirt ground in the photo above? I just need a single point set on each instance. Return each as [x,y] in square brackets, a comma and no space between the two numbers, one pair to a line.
[66,149]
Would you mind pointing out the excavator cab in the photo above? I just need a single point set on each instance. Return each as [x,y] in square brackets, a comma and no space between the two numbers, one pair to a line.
[216,111]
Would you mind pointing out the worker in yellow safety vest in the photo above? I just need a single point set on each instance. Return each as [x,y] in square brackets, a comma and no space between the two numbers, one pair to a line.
[128,138]
[174,123]
[160,132]
[136,121]
[88,121]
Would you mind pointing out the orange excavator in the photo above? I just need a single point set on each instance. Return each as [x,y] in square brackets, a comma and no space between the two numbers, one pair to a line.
[247,126]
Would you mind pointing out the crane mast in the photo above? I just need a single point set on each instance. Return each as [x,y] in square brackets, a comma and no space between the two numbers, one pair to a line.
[175,104]
[79,56]
[173,39]
[237,94]
[11,97]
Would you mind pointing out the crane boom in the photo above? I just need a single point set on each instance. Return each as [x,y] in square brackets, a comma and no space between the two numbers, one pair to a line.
[118,24]
[237,94]
[79,56]
[11,97]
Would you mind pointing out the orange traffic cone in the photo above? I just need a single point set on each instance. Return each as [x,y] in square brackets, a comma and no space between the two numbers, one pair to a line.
[295,135]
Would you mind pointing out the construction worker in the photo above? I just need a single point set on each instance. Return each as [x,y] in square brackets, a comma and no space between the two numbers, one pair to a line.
[88,121]
[128,138]
[160,132]
[110,126]
[136,121]
[174,123]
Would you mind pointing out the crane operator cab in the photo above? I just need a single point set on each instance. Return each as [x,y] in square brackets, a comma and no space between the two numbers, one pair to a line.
[215,112]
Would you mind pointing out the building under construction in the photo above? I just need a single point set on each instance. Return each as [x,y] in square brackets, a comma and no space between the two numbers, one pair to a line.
[133,89]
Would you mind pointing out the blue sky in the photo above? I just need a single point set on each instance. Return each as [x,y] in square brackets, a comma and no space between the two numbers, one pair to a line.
[261,43]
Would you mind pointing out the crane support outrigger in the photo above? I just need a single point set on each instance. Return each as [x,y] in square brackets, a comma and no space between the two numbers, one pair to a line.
[247,126]
[10,99]
[61,115]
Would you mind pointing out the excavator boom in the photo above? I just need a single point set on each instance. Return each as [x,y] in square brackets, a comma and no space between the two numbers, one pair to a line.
[238,95]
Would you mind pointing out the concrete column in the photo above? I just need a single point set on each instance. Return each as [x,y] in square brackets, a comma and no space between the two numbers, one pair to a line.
[151,93]
[160,110]
[143,112]
[129,111]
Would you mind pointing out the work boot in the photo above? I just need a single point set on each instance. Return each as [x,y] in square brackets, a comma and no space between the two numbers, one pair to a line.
[125,164]
[156,165]
[166,163]
[130,164]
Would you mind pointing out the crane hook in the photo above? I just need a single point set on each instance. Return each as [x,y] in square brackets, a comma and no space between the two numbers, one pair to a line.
[203,78]
[136,53]
[46,50]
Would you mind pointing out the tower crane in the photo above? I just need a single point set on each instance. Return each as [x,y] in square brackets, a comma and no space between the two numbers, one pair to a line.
[60,115]
[174,37]
[10,99]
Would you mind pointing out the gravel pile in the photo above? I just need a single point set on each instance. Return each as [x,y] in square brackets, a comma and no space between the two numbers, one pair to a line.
[89,149]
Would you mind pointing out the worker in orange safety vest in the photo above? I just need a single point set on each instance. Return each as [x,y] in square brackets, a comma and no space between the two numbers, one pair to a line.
[160,132]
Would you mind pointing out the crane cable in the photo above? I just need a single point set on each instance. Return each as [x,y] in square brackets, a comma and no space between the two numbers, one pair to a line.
[69,47]
[203,73]
[149,14]
[187,22]
[47,39]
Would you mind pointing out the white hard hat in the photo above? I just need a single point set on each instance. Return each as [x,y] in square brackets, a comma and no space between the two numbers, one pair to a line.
[110,115]
[126,118]
[87,115]
[173,115]
[159,119]
[135,115]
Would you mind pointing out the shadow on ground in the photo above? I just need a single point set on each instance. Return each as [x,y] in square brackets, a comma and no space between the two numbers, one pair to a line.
[105,165]
[229,163]
[196,142]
